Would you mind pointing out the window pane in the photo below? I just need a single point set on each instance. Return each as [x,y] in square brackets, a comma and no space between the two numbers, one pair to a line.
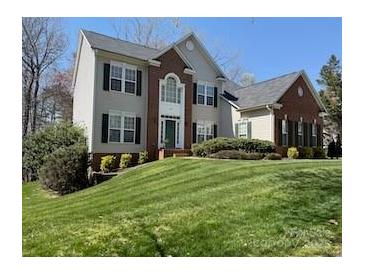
[114,135]
[116,85]
[210,101]
[300,128]
[163,93]
[284,125]
[115,121]
[210,91]
[200,138]
[209,137]
[179,92]
[117,72]
[201,89]
[201,129]
[130,74]
[128,136]
[130,87]
[129,122]
[201,99]
[314,130]
[171,90]
[177,133]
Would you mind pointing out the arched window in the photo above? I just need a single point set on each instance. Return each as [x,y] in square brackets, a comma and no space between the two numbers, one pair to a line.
[171,90]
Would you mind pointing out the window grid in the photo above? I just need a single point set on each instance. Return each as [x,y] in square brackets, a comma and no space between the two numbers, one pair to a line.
[121,128]
[205,94]
[123,78]
[242,129]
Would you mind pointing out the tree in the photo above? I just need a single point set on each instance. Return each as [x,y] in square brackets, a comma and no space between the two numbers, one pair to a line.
[247,79]
[43,43]
[331,94]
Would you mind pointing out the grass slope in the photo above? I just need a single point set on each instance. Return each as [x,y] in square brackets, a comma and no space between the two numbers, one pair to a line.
[193,207]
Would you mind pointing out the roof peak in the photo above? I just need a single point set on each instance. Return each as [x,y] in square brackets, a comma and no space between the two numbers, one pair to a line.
[119,39]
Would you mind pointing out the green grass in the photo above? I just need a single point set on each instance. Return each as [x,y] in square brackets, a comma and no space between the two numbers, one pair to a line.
[193,207]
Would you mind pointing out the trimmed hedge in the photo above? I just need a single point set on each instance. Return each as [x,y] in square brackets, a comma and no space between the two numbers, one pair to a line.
[65,169]
[305,153]
[273,156]
[319,153]
[223,143]
[37,146]
[237,155]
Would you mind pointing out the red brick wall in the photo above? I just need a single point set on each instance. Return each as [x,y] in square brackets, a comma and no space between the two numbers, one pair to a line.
[170,62]
[295,107]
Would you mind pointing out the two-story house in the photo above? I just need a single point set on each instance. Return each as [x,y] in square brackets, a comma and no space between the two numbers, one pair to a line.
[132,98]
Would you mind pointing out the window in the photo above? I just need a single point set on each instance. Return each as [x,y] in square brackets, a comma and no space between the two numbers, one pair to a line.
[205,131]
[177,133]
[130,81]
[201,133]
[161,133]
[300,133]
[116,78]
[284,132]
[242,129]
[170,92]
[205,94]
[114,128]
[209,132]
[201,94]
[121,128]
[123,78]
[128,129]
[314,135]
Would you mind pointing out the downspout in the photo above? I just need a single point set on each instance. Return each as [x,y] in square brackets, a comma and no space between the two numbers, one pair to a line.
[270,109]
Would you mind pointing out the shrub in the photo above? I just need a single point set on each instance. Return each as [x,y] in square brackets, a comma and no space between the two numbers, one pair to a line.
[252,156]
[226,154]
[44,142]
[273,156]
[65,169]
[222,143]
[293,153]
[125,160]
[236,154]
[107,163]
[143,157]
[318,153]
[306,153]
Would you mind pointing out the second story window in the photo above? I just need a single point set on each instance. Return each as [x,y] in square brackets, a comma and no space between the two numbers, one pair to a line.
[171,90]
[205,94]
[123,78]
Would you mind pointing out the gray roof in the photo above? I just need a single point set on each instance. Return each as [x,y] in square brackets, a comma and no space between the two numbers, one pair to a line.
[263,93]
[107,43]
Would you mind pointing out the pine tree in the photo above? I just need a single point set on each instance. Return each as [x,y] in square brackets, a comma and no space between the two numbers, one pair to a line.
[331,94]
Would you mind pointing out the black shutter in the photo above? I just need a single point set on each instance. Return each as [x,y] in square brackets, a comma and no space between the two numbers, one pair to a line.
[279,127]
[215,97]
[290,133]
[138,131]
[105,128]
[319,136]
[106,76]
[195,86]
[139,83]
[310,135]
[194,133]
[305,135]
[215,131]
[296,138]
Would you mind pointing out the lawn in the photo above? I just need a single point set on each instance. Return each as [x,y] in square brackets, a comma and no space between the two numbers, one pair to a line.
[193,207]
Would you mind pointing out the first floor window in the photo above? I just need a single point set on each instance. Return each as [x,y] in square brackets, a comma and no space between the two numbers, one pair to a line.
[177,133]
[284,132]
[209,132]
[128,129]
[201,132]
[242,129]
[314,135]
[300,134]
[114,128]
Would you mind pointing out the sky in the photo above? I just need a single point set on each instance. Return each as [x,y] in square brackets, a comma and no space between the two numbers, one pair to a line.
[266,47]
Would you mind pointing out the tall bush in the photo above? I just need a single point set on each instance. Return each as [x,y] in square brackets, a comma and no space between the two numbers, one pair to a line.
[65,169]
[44,142]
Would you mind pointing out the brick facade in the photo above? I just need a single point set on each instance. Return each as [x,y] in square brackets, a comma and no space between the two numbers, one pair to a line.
[295,107]
[170,62]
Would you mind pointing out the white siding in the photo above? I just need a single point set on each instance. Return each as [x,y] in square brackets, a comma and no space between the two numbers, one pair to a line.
[105,101]
[84,90]
[228,117]
[262,127]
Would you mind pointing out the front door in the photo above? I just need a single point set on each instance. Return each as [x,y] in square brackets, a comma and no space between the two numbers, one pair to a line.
[170,133]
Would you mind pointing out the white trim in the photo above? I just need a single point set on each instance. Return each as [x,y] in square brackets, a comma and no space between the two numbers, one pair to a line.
[154,63]
[228,101]
[275,106]
[122,115]
[221,79]
[189,71]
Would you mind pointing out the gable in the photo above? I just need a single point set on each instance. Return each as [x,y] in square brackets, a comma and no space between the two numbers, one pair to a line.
[293,103]
[203,68]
